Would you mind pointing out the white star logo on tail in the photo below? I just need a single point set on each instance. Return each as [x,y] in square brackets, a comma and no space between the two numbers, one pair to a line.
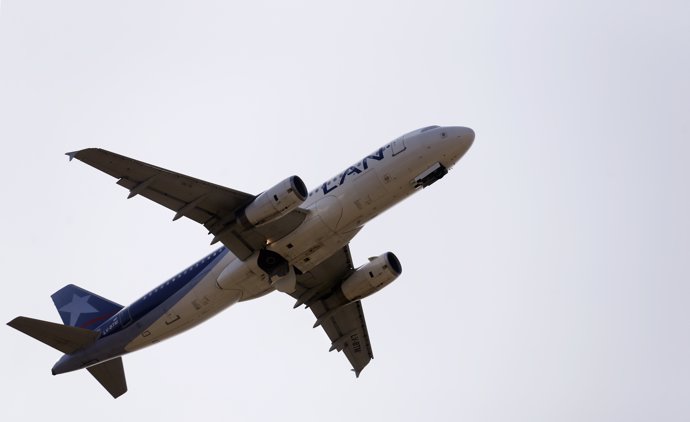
[78,305]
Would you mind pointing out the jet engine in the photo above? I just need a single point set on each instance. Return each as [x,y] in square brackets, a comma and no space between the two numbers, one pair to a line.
[275,202]
[371,277]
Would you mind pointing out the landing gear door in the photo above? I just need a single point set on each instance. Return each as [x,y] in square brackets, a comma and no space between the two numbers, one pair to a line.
[398,146]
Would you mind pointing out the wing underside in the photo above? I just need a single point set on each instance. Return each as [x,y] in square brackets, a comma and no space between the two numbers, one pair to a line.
[343,323]
[211,205]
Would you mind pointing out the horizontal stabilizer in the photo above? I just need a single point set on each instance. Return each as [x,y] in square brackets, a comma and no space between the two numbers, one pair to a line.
[61,337]
[111,375]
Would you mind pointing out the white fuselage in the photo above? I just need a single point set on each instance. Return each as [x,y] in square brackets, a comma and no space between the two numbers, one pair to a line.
[337,210]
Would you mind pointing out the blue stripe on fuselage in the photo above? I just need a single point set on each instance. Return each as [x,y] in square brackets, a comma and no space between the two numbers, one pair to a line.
[160,294]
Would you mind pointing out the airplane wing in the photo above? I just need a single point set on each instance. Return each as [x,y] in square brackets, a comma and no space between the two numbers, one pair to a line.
[206,203]
[344,324]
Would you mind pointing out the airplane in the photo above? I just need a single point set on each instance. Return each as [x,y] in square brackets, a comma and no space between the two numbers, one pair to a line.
[286,239]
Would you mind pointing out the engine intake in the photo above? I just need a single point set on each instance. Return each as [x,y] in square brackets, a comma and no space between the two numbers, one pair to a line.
[371,277]
[275,202]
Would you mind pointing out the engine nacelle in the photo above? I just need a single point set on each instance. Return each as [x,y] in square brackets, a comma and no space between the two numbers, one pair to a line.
[371,277]
[275,202]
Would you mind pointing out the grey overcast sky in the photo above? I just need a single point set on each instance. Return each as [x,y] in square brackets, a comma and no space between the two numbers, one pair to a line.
[546,278]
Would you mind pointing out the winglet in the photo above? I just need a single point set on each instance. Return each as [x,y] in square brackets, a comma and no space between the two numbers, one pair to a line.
[71,155]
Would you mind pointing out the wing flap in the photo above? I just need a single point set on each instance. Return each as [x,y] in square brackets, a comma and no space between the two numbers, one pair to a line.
[347,330]
[344,324]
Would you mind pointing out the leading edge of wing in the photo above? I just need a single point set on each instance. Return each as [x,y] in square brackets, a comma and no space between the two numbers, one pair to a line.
[211,205]
[106,161]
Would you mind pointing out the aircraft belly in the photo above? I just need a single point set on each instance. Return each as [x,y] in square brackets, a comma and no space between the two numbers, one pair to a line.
[245,277]
[362,200]
[396,180]
[201,303]
[318,237]
[330,211]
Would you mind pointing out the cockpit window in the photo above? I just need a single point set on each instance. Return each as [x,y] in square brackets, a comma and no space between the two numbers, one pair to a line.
[428,128]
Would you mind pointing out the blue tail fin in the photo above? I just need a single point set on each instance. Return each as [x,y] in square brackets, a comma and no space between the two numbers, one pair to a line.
[83,309]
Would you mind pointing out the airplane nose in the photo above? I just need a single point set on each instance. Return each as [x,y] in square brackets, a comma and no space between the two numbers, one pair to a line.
[459,140]
[466,136]
[462,137]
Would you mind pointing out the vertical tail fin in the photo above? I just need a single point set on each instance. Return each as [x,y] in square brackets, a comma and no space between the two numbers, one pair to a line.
[83,309]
